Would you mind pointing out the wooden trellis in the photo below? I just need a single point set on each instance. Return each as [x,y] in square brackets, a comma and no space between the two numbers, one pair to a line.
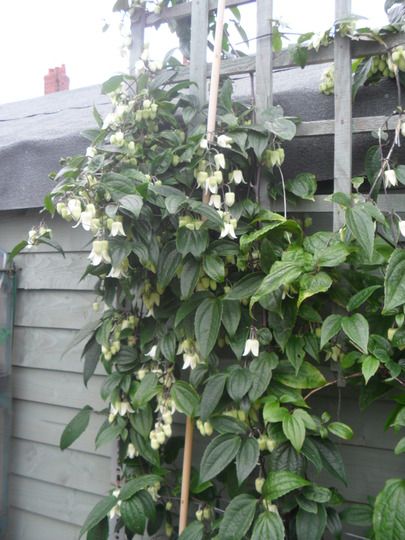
[341,52]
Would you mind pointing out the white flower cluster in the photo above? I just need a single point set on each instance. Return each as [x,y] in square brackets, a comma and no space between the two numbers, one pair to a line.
[36,233]
[150,298]
[205,428]
[163,427]
[114,339]
[188,349]
[121,408]
[115,510]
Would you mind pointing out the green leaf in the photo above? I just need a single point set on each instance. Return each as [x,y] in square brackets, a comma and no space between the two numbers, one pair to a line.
[360,297]
[247,459]
[194,242]
[330,327]
[361,75]
[145,450]
[207,323]
[99,532]
[356,329]
[107,433]
[369,367]
[262,370]
[227,424]
[400,447]
[142,420]
[88,329]
[231,314]
[331,458]
[258,142]
[361,226]
[331,256]
[308,376]
[273,412]
[189,306]
[91,357]
[341,430]
[237,518]
[132,203]
[75,427]
[220,452]
[279,483]
[185,398]
[294,430]
[133,515]
[213,390]
[303,186]
[389,511]
[394,282]
[214,267]
[311,284]
[310,451]
[311,526]
[281,274]
[268,525]
[112,84]
[169,260]
[194,531]
[245,287]
[282,128]
[239,383]
[189,276]
[358,514]
[16,250]
[295,351]
[98,513]
[147,389]
[168,346]
[318,494]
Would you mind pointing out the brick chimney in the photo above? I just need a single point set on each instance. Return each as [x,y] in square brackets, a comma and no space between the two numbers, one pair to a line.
[56,80]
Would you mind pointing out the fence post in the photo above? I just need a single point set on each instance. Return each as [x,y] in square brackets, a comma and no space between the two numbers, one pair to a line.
[343,113]
[264,56]
[198,48]
[264,76]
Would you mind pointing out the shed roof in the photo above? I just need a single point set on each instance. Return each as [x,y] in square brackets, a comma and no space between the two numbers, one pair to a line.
[36,133]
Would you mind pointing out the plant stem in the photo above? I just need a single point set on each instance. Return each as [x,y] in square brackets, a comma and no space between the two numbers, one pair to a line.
[331,383]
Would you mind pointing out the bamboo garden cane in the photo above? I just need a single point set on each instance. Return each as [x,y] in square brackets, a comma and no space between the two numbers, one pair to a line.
[212,113]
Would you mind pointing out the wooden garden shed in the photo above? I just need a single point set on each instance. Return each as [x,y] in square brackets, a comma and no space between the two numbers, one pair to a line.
[52,492]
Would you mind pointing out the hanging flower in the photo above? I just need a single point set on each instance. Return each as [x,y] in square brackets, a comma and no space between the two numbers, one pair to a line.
[75,208]
[229,226]
[117,229]
[204,144]
[219,161]
[152,352]
[224,141]
[401,226]
[99,253]
[251,347]
[215,201]
[119,271]
[237,177]
[132,451]
[390,178]
[230,198]
[87,217]
[191,358]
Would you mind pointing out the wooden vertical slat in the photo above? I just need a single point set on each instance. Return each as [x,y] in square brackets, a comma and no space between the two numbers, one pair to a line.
[138,37]
[343,113]
[198,48]
[264,56]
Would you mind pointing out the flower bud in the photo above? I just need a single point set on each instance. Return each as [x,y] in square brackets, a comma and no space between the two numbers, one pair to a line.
[259,484]
[230,198]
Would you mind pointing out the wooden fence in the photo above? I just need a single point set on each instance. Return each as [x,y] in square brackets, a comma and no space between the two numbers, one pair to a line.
[341,52]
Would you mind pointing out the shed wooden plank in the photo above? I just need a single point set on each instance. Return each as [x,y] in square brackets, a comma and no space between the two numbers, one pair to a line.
[343,114]
[27,526]
[138,19]
[43,423]
[72,469]
[183,10]
[14,227]
[367,470]
[56,388]
[393,201]
[51,271]
[54,309]
[283,60]
[64,504]
[368,425]
[42,348]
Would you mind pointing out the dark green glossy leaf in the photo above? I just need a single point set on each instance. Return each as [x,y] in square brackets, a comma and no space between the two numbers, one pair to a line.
[185,398]
[247,458]
[280,483]
[389,511]
[207,323]
[238,518]
[75,427]
[220,452]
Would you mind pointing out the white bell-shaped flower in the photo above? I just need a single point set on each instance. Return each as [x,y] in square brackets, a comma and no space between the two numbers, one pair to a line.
[224,141]
[390,178]
[75,208]
[219,161]
[215,201]
[251,347]
[401,226]
[117,229]
[230,198]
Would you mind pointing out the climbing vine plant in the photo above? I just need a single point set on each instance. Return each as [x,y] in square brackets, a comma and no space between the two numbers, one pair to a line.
[231,314]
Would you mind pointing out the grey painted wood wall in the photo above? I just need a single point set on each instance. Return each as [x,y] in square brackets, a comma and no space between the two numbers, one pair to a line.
[52,491]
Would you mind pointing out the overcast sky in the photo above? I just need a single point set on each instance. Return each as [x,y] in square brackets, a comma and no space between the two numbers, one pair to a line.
[37,35]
